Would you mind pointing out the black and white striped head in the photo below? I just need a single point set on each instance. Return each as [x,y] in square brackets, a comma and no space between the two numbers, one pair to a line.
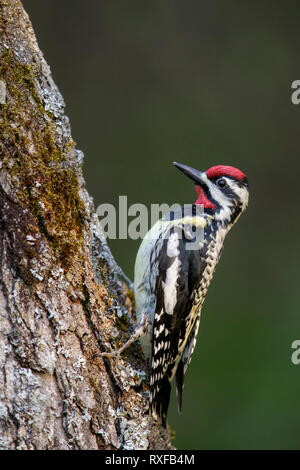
[222,190]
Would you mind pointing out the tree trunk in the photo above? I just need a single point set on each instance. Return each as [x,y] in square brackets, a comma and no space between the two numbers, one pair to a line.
[60,297]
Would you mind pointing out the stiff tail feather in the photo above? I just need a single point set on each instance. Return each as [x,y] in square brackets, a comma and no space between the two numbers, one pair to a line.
[160,399]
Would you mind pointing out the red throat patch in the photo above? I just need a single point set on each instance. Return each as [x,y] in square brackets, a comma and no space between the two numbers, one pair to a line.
[203,199]
[223,170]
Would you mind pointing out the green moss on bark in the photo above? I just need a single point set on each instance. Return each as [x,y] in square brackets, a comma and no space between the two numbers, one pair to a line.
[36,160]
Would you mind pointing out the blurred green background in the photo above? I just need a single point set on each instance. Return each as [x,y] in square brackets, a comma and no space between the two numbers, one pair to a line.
[203,83]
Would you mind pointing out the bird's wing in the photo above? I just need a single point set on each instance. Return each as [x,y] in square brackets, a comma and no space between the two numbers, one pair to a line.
[178,273]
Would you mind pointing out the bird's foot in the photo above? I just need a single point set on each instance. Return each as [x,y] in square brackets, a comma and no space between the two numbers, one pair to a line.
[140,330]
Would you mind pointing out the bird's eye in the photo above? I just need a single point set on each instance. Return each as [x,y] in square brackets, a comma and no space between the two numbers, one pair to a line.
[221,182]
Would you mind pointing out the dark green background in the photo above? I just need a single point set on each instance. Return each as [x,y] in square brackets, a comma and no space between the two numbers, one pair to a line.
[203,83]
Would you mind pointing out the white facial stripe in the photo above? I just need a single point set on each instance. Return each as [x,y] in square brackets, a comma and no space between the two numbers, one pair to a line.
[240,191]
[224,201]
[217,194]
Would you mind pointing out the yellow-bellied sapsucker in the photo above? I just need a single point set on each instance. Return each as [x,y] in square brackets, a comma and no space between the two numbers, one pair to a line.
[172,276]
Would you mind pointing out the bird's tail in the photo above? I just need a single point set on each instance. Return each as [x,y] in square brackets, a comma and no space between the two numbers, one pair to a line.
[160,398]
[180,383]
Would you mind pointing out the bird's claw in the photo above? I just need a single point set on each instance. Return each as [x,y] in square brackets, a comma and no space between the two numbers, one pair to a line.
[111,353]
[115,354]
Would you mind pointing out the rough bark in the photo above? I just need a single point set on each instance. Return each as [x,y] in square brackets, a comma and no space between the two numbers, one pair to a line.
[60,296]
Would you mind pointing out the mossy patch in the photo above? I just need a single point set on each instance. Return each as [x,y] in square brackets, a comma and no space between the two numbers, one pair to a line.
[122,323]
[104,273]
[37,160]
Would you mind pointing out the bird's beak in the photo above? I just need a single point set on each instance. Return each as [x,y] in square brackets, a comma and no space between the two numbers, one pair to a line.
[197,176]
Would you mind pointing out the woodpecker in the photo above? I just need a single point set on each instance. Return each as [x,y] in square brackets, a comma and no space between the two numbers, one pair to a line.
[172,277]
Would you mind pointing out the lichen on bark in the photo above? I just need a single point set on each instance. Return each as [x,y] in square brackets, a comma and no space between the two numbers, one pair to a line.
[61,300]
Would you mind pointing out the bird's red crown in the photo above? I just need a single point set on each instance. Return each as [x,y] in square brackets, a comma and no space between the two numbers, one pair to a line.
[223,170]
